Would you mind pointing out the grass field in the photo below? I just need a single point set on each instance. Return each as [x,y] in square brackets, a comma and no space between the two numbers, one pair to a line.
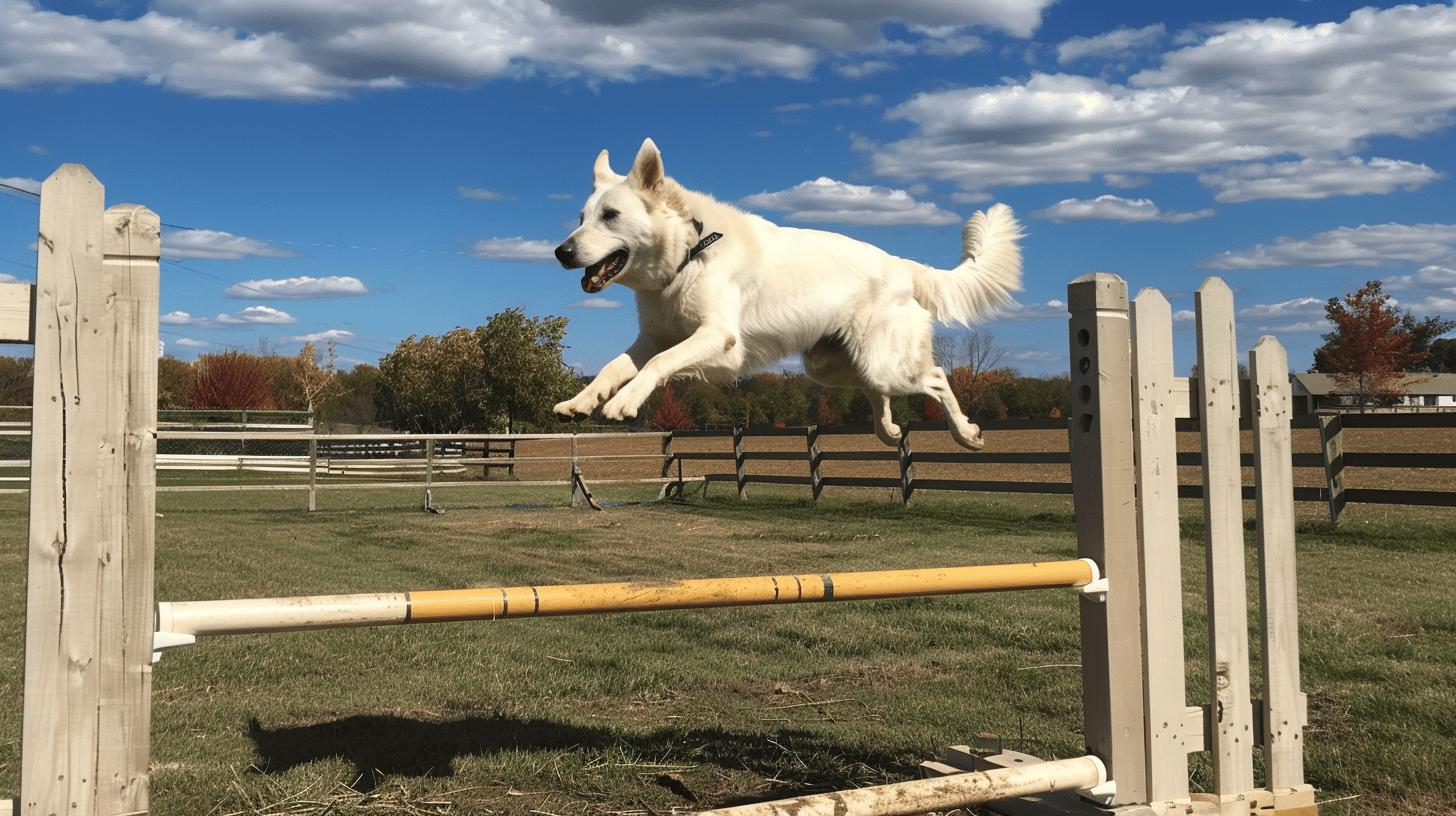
[655,712]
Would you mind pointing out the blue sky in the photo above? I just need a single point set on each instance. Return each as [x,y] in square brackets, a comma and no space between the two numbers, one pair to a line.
[379,169]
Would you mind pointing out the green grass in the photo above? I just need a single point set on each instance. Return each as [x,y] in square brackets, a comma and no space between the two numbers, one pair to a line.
[655,711]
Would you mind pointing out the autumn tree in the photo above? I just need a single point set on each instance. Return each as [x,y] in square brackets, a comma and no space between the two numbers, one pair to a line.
[668,415]
[174,382]
[824,413]
[524,373]
[17,378]
[1371,345]
[230,379]
[318,381]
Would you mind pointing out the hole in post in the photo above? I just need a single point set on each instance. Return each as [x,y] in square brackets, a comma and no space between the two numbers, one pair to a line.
[1084,365]
[1084,421]
[1083,338]
[1085,393]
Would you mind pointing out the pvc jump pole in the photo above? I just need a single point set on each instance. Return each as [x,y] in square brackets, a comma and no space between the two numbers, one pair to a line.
[189,619]
[942,793]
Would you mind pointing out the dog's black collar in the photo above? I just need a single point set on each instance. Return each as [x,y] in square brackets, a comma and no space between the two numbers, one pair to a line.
[706,241]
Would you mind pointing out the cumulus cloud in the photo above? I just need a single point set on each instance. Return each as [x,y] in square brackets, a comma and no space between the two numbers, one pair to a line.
[1116,208]
[1246,91]
[29,185]
[513,249]
[597,303]
[1316,178]
[217,245]
[298,288]
[826,201]
[191,342]
[1440,278]
[1116,43]
[320,336]
[1033,311]
[1293,316]
[1365,245]
[248,316]
[482,194]
[314,49]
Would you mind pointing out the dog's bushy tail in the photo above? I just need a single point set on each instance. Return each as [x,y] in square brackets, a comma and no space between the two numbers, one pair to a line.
[989,271]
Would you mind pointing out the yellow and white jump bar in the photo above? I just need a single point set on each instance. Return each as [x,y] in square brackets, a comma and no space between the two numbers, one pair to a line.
[181,622]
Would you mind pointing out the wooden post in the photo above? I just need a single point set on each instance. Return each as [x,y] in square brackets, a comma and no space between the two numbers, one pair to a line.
[511,467]
[1228,614]
[1155,453]
[811,442]
[1101,431]
[907,465]
[88,644]
[312,472]
[578,498]
[1284,703]
[738,461]
[666,453]
[1332,447]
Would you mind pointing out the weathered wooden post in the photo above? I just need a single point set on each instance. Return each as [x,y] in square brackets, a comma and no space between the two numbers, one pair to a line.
[1332,448]
[312,472]
[811,442]
[1101,445]
[666,453]
[907,465]
[89,610]
[1228,612]
[739,461]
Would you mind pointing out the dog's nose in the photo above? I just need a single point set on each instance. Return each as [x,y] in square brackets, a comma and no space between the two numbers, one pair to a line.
[566,254]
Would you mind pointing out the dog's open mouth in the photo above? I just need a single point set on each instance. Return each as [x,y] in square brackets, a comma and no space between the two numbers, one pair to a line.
[599,274]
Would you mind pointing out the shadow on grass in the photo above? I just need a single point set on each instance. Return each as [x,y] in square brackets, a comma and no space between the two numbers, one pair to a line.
[387,745]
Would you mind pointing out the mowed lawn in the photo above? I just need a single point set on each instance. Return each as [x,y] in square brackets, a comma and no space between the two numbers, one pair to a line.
[654,712]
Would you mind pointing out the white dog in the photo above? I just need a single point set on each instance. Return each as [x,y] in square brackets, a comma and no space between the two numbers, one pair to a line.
[721,293]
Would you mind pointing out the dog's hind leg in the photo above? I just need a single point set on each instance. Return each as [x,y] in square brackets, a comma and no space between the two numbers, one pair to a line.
[885,427]
[966,433]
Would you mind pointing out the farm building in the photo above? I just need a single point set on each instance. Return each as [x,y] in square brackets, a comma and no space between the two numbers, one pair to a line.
[1421,390]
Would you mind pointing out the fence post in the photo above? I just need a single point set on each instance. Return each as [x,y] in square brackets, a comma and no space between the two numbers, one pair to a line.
[1155,456]
[1100,444]
[1223,513]
[88,644]
[907,465]
[312,472]
[577,498]
[1332,448]
[1284,703]
[511,467]
[666,453]
[738,460]
[811,441]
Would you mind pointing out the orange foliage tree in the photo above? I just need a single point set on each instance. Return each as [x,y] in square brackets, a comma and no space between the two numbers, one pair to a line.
[1369,349]
[669,415]
[231,380]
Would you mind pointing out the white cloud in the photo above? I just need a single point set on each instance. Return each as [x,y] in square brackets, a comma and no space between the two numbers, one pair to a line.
[1439,278]
[1316,178]
[191,342]
[1300,315]
[217,245]
[1365,245]
[1116,208]
[6,277]
[248,316]
[1124,181]
[482,194]
[29,185]
[513,249]
[1113,44]
[598,303]
[1033,311]
[826,201]
[36,150]
[1247,91]
[298,288]
[320,336]
[860,70]
[314,49]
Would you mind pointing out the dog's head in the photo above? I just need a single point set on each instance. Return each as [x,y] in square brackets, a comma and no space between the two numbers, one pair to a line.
[628,225]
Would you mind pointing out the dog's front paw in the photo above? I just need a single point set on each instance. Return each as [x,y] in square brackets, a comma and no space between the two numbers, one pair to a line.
[622,407]
[580,405]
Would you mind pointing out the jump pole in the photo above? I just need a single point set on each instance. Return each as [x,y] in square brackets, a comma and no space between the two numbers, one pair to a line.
[941,793]
[181,622]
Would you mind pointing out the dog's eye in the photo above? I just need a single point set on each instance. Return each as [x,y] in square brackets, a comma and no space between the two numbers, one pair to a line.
[608,215]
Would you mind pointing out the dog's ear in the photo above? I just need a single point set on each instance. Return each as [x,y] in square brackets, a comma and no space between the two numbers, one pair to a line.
[602,175]
[647,170]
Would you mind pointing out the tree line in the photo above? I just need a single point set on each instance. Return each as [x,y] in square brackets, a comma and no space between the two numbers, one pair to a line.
[506,374]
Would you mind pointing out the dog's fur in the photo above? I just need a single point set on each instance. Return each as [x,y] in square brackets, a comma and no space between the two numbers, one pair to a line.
[859,316]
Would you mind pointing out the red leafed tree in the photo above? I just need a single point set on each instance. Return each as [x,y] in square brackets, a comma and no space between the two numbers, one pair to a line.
[669,415]
[1369,349]
[231,380]
[930,409]
[824,413]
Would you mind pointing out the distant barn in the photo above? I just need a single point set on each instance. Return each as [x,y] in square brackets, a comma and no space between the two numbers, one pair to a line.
[1420,391]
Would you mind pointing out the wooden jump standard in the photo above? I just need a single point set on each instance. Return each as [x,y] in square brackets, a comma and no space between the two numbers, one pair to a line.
[92,627]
